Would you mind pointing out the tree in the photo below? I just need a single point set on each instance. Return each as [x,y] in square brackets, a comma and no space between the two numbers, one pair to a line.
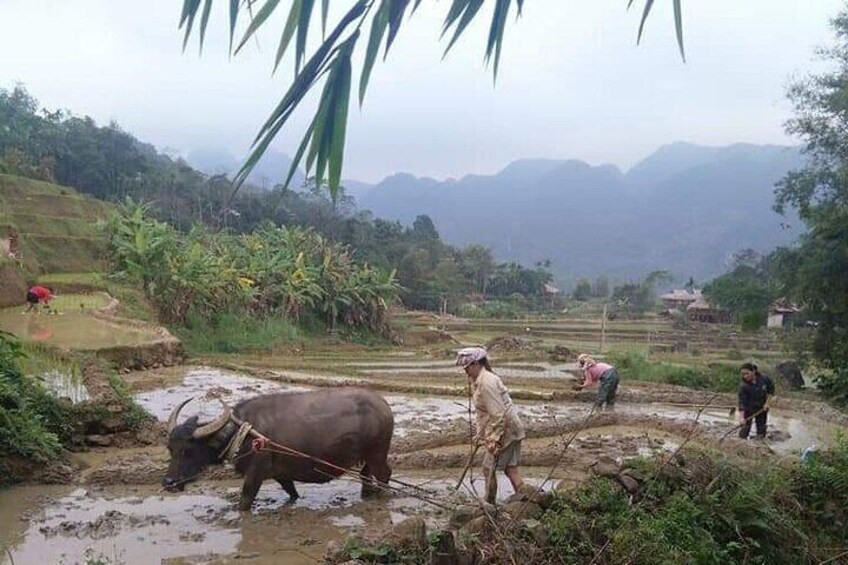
[583,290]
[747,291]
[601,288]
[324,139]
[815,271]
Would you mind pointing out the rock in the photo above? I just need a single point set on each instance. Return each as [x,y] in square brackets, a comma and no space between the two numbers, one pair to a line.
[630,484]
[523,510]
[635,473]
[410,534]
[790,375]
[535,530]
[564,485]
[98,440]
[477,526]
[605,467]
[463,514]
[334,552]
[444,550]
[485,508]
[528,492]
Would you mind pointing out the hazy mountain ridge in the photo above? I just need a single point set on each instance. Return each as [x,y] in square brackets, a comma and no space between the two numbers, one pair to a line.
[685,208]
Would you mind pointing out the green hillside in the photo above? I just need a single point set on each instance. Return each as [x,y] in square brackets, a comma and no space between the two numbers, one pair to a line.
[60,230]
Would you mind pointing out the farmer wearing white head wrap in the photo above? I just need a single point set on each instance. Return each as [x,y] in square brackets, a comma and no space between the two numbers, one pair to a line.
[499,428]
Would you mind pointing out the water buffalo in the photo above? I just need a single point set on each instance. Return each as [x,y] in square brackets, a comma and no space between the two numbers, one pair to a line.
[342,426]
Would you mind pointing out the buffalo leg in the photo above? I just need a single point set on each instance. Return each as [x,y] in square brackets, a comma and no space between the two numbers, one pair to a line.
[377,466]
[249,490]
[368,488]
[288,486]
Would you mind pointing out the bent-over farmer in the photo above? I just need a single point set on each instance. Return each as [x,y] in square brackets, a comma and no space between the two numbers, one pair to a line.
[603,373]
[499,429]
[38,295]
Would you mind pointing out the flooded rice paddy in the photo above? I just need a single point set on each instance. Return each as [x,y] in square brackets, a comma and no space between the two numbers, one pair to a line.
[74,326]
[138,523]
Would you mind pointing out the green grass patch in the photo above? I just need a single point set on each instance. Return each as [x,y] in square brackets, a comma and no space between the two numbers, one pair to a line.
[705,508]
[232,333]
[634,365]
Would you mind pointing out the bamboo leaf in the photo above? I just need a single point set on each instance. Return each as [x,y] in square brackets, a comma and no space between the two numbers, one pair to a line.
[341,104]
[648,5]
[378,29]
[302,31]
[234,11]
[190,8]
[299,154]
[288,31]
[456,10]
[496,31]
[204,21]
[471,9]
[396,12]
[302,83]
[325,8]
[678,25]
[266,10]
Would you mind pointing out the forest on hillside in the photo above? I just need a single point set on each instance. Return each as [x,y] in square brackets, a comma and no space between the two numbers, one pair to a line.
[111,164]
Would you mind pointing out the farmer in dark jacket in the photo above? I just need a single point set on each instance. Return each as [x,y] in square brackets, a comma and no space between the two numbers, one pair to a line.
[755,391]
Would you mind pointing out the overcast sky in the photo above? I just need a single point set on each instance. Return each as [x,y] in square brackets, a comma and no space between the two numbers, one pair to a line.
[572,83]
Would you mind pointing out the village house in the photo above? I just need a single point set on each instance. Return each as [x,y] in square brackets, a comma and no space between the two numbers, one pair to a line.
[781,314]
[701,311]
[680,299]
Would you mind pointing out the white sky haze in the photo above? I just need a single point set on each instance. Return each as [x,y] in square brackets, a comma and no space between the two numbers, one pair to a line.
[572,82]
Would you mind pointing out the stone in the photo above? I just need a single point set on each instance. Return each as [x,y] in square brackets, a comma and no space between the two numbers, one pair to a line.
[411,533]
[484,509]
[635,473]
[630,484]
[523,510]
[477,526]
[334,551]
[443,551]
[528,492]
[605,467]
[463,514]
[536,531]
[98,440]
[790,375]
[564,485]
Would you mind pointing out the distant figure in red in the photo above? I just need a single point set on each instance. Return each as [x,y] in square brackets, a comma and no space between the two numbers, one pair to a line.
[38,295]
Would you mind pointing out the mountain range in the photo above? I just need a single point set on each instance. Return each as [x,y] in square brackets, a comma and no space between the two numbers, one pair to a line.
[685,209]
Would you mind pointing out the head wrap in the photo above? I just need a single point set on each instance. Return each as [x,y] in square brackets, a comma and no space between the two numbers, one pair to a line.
[585,361]
[469,355]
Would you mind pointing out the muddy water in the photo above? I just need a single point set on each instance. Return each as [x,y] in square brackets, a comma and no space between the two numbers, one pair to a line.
[421,413]
[206,385]
[144,525]
[73,327]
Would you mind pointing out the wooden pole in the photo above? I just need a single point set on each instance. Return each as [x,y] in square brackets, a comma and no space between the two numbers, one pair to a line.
[603,328]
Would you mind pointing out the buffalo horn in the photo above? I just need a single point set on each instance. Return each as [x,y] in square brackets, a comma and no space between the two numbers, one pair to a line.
[212,427]
[172,419]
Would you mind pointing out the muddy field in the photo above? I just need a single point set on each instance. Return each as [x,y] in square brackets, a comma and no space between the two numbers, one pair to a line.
[115,510]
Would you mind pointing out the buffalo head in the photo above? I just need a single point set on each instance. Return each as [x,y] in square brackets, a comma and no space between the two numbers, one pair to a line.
[189,447]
